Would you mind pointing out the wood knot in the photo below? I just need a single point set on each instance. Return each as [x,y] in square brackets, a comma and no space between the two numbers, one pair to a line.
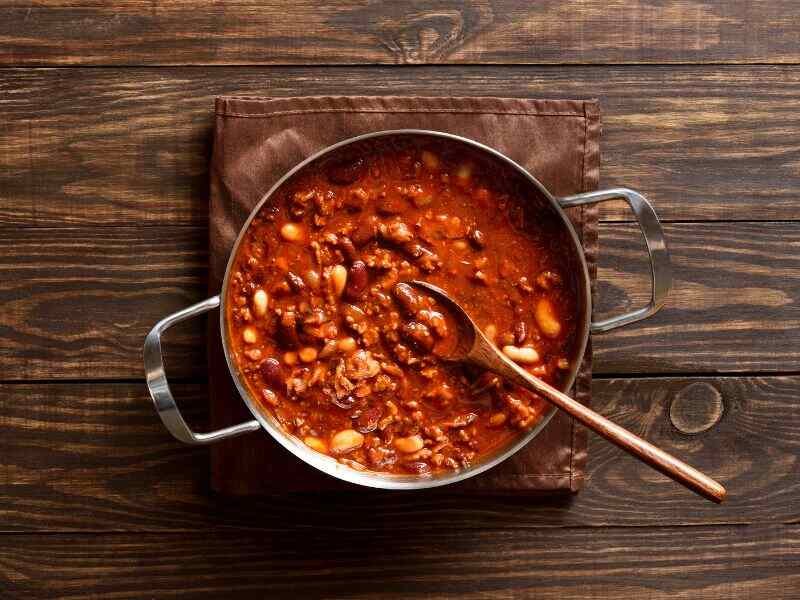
[696,408]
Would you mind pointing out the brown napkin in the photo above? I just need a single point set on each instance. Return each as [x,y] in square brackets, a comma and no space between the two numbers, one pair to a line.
[256,140]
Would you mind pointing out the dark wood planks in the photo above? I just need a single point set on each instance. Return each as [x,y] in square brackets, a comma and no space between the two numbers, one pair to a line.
[79,301]
[698,563]
[95,457]
[136,32]
[131,146]
[734,304]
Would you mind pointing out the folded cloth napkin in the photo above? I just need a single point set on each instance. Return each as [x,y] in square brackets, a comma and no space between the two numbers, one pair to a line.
[256,140]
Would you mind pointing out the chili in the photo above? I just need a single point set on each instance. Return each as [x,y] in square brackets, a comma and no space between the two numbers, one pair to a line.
[332,341]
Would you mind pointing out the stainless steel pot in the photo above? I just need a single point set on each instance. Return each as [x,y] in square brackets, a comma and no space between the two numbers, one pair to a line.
[171,416]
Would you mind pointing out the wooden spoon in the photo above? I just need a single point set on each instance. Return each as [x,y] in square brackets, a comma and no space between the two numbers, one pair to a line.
[472,346]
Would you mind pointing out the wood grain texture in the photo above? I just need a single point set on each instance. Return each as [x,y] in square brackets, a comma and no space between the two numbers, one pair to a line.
[79,301]
[135,32]
[735,303]
[131,146]
[675,563]
[103,221]
[95,457]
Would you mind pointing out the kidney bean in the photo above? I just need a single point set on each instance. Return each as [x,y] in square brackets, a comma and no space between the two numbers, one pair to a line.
[287,330]
[357,280]
[270,397]
[365,231]
[408,297]
[417,467]
[346,403]
[348,248]
[272,372]
[477,238]
[546,318]
[419,335]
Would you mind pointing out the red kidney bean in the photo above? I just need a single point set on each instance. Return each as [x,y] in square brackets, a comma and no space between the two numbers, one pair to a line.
[348,249]
[346,403]
[287,330]
[408,297]
[477,238]
[365,231]
[272,372]
[417,467]
[357,280]
[419,335]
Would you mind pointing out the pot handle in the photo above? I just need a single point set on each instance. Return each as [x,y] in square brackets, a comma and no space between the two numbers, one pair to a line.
[660,270]
[159,388]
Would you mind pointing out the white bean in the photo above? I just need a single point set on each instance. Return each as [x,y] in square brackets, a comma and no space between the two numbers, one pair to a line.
[307,354]
[260,302]
[346,441]
[292,232]
[546,318]
[497,419]
[525,355]
[408,445]
[249,335]
[339,279]
[316,444]
[347,345]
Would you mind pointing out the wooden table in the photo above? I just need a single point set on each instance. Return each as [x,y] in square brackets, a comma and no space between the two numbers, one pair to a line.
[105,117]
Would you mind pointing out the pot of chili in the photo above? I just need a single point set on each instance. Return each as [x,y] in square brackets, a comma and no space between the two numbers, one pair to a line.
[335,354]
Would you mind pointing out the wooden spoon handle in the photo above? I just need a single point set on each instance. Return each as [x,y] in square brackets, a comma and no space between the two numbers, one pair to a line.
[632,443]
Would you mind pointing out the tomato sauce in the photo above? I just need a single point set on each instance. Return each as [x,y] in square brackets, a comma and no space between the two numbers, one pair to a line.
[331,340]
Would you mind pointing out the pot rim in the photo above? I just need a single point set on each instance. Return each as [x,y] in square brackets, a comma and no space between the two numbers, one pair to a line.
[331,466]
